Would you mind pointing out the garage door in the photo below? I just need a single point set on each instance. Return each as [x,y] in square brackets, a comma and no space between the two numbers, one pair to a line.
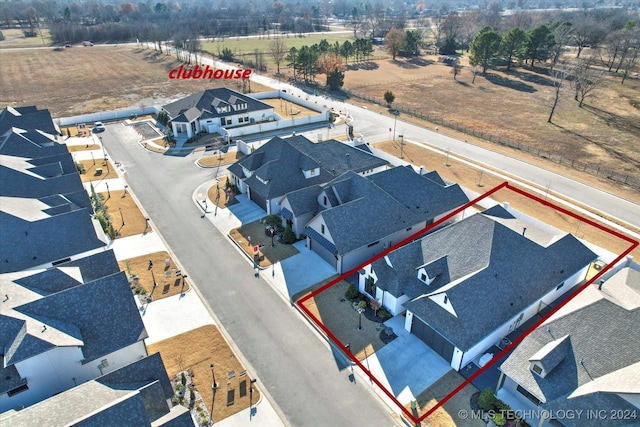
[324,254]
[257,199]
[433,339]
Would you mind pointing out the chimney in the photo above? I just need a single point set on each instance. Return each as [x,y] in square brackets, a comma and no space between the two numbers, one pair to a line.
[600,284]
[524,230]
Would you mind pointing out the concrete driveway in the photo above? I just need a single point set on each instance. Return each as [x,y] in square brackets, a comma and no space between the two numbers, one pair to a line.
[406,366]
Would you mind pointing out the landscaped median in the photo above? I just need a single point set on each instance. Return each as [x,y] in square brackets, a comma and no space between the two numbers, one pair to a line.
[154,275]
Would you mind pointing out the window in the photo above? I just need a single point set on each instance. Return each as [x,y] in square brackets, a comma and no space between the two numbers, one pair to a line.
[369,286]
[324,202]
[322,228]
[373,244]
[19,389]
[409,229]
[423,277]
[528,395]
[446,299]
[559,286]
[537,369]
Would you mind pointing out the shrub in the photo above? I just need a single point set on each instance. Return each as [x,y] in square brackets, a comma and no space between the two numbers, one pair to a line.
[362,304]
[287,236]
[273,220]
[352,293]
[175,400]
[498,419]
[80,168]
[384,314]
[183,378]
[192,396]
[486,400]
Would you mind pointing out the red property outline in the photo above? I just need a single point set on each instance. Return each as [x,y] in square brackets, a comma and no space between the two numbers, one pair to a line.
[300,302]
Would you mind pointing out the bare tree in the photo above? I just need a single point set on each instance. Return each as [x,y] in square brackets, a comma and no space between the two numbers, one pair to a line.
[585,79]
[562,35]
[278,50]
[630,62]
[558,77]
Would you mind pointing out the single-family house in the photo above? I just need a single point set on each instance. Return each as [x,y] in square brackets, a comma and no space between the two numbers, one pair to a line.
[59,328]
[136,394]
[43,205]
[214,110]
[583,361]
[360,216]
[284,165]
[466,286]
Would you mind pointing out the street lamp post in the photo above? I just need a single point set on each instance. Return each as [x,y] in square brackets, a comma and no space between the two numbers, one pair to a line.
[92,158]
[395,119]
[360,311]
[214,387]
[108,192]
[401,146]
[125,191]
[214,384]
[121,217]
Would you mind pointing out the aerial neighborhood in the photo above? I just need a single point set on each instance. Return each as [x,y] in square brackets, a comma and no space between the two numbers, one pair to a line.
[444,232]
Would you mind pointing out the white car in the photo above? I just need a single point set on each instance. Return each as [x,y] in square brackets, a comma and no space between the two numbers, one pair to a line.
[98,127]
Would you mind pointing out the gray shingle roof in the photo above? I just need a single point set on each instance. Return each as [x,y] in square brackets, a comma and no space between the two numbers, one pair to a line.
[491,263]
[426,195]
[134,395]
[282,162]
[305,200]
[100,316]
[205,102]
[604,340]
[26,118]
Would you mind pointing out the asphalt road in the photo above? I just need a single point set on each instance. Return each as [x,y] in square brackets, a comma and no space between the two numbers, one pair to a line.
[296,369]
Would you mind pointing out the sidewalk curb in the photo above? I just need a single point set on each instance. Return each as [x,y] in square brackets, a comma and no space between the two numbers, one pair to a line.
[245,253]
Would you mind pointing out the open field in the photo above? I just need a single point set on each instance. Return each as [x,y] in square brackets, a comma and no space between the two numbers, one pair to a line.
[515,105]
[14,38]
[605,132]
[92,79]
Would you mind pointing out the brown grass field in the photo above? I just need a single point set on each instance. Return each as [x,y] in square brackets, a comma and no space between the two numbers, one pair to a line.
[197,350]
[515,105]
[606,131]
[82,80]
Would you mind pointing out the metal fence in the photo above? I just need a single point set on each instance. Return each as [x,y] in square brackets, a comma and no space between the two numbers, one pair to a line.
[590,168]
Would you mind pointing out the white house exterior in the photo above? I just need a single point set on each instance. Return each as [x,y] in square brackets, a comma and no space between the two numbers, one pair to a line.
[214,111]
[584,358]
[468,285]
[365,215]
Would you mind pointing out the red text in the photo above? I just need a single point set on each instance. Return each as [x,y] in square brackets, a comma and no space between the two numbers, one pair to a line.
[208,73]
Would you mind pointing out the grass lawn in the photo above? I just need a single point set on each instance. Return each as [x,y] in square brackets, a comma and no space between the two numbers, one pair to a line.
[86,147]
[219,159]
[255,230]
[123,209]
[472,178]
[14,38]
[168,283]
[198,350]
[98,171]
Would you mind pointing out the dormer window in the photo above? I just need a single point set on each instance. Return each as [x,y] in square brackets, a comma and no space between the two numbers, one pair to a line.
[537,369]
[423,277]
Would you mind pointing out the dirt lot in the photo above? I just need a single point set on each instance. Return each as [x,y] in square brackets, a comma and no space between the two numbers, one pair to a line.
[197,350]
[91,79]
[471,178]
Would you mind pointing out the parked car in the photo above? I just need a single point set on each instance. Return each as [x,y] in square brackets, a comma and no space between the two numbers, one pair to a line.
[87,43]
[98,127]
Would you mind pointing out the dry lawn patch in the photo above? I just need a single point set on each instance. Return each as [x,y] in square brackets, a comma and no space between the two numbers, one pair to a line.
[474,179]
[515,105]
[87,80]
[268,255]
[288,109]
[168,283]
[126,217]
[220,159]
[197,350]
[447,414]
[98,171]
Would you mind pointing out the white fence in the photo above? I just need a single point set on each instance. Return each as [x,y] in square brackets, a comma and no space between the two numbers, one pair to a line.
[106,116]
[275,125]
